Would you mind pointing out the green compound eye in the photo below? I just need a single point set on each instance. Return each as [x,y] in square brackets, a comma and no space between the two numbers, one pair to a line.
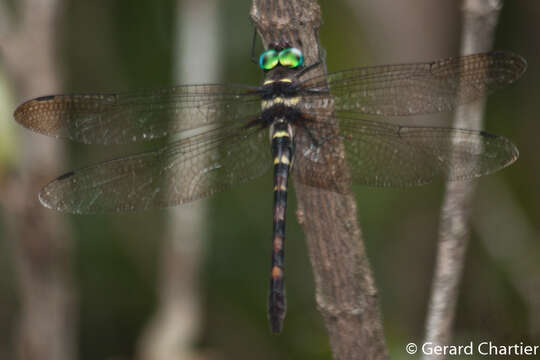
[268,59]
[291,57]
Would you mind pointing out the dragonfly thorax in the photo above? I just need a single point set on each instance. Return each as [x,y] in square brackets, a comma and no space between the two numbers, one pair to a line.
[280,97]
[280,90]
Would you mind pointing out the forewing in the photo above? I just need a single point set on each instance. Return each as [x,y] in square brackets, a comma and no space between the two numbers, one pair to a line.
[419,88]
[381,154]
[138,115]
[180,172]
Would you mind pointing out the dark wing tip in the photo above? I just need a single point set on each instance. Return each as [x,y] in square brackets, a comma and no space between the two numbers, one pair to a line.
[32,114]
[44,197]
[51,199]
[511,152]
[488,135]
[21,111]
[53,115]
[66,175]
[45,98]
[512,61]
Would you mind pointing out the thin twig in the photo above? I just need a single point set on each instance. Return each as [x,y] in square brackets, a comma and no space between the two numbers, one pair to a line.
[173,331]
[345,290]
[480,18]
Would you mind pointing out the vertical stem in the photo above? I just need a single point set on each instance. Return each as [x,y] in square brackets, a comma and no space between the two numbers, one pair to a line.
[39,238]
[175,327]
[480,19]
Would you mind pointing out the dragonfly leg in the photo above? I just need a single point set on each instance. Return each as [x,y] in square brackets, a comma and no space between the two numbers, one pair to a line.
[308,68]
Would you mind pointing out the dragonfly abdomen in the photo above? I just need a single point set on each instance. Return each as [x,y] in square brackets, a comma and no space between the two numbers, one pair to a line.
[282,151]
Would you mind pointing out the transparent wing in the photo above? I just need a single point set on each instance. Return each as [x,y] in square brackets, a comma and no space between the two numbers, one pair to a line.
[396,90]
[381,154]
[180,172]
[138,115]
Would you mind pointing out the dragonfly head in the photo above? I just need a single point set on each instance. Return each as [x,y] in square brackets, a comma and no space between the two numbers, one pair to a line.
[281,55]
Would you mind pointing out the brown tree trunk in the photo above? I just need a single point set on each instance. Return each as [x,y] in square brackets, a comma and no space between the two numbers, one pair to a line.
[39,237]
[345,290]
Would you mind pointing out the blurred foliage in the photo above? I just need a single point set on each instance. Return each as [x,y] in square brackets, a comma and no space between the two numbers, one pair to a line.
[7,137]
[126,44]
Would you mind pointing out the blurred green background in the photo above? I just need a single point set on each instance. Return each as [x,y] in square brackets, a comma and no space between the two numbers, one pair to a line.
[120,45]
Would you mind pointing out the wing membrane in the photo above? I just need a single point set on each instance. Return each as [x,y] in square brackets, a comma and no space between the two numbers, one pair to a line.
[419,88]
[180,172]
[138,115]
[381,154]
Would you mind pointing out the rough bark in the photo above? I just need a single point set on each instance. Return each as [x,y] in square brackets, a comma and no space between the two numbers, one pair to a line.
[479,21]
[345,292]
[38,237]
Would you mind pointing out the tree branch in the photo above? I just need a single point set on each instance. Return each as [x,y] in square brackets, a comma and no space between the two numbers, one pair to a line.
[480,19]
[345,290]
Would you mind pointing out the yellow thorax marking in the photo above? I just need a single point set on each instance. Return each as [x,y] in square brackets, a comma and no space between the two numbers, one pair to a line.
[286,80]
[280,134]
[266,82]
[279,100]
[292,101]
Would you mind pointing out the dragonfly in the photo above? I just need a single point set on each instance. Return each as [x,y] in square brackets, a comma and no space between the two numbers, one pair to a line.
[217,136]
